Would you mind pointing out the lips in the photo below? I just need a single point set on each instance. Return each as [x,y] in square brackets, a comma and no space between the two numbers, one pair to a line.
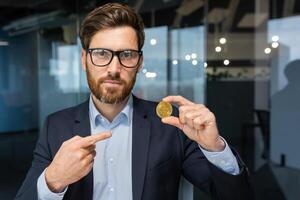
[112,82]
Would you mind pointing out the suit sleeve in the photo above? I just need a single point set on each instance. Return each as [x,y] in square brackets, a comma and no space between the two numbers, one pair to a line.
[207,177]
[41,159]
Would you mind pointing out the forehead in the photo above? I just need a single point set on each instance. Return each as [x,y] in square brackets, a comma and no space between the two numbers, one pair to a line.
[115,39]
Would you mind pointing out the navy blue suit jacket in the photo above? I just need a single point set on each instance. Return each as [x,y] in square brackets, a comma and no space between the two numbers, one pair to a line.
[160,155]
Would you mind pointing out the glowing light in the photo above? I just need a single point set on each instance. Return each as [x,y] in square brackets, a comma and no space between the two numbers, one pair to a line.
[205,64]
[275,45]
[275,38]
[151,74]
[187,57]
[194,62]
[175,62]
[268,50]
[218,49]
[4,43]
[194,56]
[226,62]
[153,42]
[222,40]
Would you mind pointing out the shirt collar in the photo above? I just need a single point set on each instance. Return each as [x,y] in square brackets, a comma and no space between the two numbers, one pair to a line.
[126,113]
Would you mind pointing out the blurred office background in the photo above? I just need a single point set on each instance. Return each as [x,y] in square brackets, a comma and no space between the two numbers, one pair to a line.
[239,57]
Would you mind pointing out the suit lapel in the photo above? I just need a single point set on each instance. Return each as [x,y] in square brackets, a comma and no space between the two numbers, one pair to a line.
[140,144]
[82,128]
[82,121]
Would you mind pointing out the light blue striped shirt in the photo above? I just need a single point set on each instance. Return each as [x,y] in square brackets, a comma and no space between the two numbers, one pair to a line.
[112,165]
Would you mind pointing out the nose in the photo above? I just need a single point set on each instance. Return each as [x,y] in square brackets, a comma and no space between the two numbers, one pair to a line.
[115,66]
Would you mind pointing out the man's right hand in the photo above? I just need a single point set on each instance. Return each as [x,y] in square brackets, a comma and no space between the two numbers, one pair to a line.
[74,160]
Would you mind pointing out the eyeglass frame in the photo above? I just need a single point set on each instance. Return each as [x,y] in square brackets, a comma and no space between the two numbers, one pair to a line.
[115,53]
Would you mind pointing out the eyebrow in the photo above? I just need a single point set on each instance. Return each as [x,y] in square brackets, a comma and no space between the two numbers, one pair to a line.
[121,49]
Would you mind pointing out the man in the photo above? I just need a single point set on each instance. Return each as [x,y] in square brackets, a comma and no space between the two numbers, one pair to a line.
[114,146]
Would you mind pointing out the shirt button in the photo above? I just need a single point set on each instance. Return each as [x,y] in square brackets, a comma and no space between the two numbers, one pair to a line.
[111,160]
[112,189]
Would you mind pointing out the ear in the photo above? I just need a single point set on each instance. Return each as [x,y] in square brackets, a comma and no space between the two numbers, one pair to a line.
[83,59]
[140,64]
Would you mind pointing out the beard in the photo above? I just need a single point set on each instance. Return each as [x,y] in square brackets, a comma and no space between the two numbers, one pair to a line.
[110,95]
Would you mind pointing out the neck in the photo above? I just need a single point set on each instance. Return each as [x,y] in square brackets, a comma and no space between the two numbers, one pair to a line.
[109,111]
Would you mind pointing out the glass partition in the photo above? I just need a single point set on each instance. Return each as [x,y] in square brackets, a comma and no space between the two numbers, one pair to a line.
[152,79]
[59,69]
[285,90]
[18,91]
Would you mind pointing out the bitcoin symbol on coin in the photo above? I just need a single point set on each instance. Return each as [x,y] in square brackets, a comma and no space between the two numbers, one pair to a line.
[164,109]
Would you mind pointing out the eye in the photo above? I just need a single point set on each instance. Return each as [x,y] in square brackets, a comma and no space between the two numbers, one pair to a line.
[129,55]
[126,54]
[101,53]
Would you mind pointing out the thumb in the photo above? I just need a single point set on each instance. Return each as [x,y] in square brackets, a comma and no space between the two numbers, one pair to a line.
[174,121]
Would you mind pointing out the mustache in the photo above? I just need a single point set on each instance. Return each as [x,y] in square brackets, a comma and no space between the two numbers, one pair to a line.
[113,77]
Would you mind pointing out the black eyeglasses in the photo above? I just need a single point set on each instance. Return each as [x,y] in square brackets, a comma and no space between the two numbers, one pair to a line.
[103,57]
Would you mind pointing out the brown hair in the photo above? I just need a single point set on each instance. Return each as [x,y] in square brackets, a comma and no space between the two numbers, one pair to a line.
[109,16]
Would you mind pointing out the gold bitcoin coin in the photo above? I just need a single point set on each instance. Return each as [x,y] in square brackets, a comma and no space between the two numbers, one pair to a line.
[164,109]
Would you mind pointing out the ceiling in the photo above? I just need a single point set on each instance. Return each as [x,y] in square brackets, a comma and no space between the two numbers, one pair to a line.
[225,15]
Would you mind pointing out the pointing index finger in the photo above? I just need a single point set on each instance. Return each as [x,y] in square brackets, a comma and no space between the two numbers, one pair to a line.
[93,139]
[100,136]
[179,100]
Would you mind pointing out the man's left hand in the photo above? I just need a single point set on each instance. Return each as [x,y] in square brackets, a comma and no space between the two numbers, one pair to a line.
[197,122]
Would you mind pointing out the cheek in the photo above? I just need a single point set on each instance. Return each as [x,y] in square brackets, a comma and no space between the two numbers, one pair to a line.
[129,75]
[94,75]
[94,72]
